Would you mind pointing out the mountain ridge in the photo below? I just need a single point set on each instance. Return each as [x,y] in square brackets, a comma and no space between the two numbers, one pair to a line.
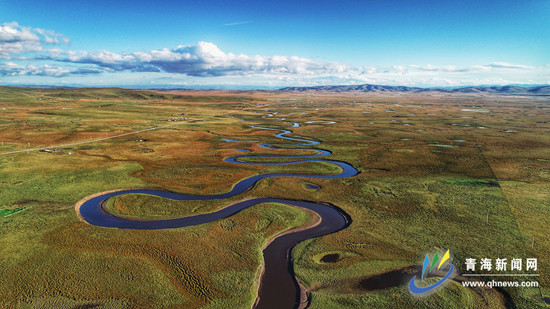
[507,89]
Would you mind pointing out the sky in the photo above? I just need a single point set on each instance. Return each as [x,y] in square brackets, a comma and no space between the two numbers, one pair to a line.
[244,44]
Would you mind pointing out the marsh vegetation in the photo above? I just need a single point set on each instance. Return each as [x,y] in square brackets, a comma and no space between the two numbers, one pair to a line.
[487,197]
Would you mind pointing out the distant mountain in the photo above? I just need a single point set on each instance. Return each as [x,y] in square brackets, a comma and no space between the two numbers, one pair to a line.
[516,90]
[362,88]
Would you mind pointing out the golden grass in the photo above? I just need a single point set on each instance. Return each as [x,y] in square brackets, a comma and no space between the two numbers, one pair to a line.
[403,203]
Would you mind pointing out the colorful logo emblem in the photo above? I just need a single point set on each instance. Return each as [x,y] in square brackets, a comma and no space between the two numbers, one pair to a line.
[420,290]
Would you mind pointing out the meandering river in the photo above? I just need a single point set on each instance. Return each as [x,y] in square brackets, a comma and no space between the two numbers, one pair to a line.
[279,287]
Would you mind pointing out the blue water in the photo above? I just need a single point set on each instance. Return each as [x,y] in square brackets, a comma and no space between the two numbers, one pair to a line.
[92,213]
[237,141]
[279,287]
[312,186]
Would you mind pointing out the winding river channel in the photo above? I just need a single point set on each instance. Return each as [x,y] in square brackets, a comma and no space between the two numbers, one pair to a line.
[278,287]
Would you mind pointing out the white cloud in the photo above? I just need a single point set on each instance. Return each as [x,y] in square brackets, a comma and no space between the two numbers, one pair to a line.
[13,69]
[237,23]
[17,39]
[505,65]
[205,62]
[474,68]
[202,60]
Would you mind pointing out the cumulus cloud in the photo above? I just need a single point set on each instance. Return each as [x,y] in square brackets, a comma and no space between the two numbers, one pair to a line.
[202,60]
[17,39]
[13,69]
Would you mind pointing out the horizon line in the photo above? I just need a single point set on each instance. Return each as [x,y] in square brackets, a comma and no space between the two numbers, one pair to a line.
[258,87]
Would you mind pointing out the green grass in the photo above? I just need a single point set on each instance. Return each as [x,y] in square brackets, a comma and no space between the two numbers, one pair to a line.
[403,204]
[7,212]
[21,184]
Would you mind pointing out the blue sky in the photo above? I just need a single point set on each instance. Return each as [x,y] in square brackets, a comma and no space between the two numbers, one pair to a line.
[237,44]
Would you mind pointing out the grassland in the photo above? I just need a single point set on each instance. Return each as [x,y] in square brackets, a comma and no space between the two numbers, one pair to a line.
[486,196]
